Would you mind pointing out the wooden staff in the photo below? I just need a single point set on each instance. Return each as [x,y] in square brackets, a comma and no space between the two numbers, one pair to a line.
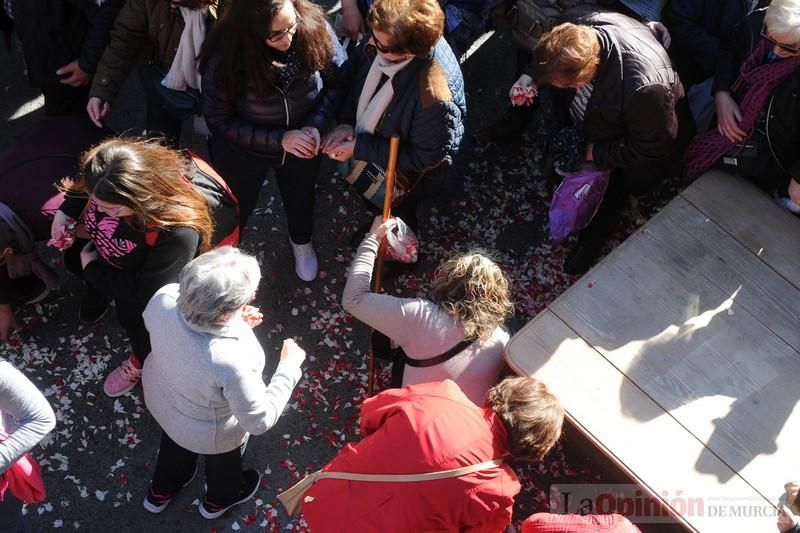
[394,148]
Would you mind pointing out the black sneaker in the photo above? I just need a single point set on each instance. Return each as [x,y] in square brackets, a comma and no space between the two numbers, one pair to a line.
[29,290]
[581,259]
[155,503]
[252,481]
[510,125]
[92,309]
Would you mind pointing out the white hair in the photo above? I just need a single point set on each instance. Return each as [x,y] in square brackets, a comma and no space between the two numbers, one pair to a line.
[215,284]
[783,16]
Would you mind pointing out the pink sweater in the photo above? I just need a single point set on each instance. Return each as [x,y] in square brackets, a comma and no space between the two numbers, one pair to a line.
[424,330]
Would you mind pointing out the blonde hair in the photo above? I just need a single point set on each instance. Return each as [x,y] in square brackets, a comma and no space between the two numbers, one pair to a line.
[568,54]
[415,25]
[475,292]
[148,178]
[783,16]
[532,415]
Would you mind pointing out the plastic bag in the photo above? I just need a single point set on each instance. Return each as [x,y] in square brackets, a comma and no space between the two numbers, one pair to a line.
[576,201]
[402,244]
[68,233]
[521,95]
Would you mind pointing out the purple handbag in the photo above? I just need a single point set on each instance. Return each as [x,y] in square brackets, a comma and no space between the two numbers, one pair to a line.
[576,201]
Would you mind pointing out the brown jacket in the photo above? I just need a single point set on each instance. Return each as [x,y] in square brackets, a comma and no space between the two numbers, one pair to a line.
[142,26]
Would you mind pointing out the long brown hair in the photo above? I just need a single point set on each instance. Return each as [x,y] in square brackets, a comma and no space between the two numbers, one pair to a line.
[148,178]
[238,40]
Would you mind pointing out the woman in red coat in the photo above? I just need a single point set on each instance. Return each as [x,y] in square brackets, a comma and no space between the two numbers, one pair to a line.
[433,427]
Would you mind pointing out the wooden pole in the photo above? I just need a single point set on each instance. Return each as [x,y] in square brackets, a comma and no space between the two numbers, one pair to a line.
[394,148]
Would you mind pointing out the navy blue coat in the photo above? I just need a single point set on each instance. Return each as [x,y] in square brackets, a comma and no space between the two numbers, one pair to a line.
[427,112]
[696,27]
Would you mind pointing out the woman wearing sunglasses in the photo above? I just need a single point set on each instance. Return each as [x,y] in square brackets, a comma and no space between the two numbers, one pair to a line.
[409,83]
[755,88]
[272,79]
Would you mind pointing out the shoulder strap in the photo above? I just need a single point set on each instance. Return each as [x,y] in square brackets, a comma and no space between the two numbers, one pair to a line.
[405,478]
[150,237]
[433,361]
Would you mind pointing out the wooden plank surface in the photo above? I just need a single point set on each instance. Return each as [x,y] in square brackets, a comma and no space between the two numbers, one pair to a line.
[633,429]
[694,347]
[752,218]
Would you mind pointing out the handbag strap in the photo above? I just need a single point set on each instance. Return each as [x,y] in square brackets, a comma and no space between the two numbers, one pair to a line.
[405,478]
[432,361]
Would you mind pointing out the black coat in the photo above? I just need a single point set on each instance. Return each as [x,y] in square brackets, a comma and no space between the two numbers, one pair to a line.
[782,109]
[631,118]
[256,125]
[55,33]
[696,27]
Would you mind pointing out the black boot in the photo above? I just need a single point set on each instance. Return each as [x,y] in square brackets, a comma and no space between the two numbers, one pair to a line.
[510,124]
[581,258]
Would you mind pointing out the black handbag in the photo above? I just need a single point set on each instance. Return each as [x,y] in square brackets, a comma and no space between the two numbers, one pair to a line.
[749,157]
[179,104]
[369,180]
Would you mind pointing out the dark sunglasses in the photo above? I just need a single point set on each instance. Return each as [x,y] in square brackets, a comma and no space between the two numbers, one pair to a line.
[280,34]
[786,48]
[383,49]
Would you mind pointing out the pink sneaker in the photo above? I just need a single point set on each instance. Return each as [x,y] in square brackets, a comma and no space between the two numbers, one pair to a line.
[122,379]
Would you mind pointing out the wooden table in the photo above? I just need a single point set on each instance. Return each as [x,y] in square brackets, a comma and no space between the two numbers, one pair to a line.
[679,354]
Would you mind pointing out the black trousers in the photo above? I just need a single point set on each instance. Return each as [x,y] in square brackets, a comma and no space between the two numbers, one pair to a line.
[638,180]
[11,519]
[175,466]
[158,120]
[60,99]
[129,314]
[297,180]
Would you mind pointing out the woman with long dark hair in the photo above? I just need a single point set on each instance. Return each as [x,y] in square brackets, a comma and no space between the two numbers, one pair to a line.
[146,218]
[272,80]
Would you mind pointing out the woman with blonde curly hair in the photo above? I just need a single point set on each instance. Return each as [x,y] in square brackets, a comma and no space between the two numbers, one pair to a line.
[142,209]
[457,335]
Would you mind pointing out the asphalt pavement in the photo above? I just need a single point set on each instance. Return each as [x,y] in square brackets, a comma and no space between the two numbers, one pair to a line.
[99,460]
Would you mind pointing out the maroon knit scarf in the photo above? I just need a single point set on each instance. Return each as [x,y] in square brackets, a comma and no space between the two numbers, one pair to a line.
[757,80]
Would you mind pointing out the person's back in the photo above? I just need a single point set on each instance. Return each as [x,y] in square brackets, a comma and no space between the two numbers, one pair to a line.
[187,367]
[421,428]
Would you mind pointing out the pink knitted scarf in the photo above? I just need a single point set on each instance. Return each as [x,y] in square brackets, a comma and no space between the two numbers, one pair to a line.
[757,80]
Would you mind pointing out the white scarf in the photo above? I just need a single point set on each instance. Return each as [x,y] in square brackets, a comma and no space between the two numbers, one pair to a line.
[183,71]
[373,101]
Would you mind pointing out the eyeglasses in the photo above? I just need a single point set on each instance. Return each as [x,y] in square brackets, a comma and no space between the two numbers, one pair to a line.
[381,48]
[786,48]
[277,35]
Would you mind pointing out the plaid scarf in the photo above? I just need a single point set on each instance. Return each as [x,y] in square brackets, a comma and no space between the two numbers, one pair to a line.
[757,80]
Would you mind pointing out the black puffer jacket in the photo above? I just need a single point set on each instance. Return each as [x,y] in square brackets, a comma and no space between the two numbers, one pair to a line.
[782,112]
[631,116]
[256,125]
[54,34]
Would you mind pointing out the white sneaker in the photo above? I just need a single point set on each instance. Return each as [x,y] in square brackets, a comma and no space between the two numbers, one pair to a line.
[305,261]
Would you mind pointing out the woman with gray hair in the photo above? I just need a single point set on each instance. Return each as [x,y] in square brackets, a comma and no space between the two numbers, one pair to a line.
[758,112]
[203,380]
